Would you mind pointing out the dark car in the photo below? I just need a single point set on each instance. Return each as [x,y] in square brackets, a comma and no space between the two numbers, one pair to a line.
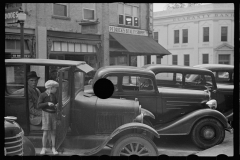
[15,141]
[224,74]
[86,122]
[178,111]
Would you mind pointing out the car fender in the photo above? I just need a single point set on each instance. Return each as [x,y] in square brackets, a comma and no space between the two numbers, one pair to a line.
[147,113]
[120,129]
[28,147]
[184,125]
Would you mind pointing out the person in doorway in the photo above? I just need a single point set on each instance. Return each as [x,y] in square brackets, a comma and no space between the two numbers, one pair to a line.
[35,114]
[48,103]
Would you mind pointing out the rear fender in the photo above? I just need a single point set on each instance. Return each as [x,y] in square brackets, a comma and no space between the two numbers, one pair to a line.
[183,125]
[147,113]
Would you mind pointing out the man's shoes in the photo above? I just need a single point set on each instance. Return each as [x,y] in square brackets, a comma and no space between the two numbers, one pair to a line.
[43,151]
[54,151]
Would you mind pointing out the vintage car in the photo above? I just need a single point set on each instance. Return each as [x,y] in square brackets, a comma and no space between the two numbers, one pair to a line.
[195,79]
[224,74]
[86,123]
[15,141]
[178,111]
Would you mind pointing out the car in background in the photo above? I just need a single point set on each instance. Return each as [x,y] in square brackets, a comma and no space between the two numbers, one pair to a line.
[224,74]
[177,110]
[195,78]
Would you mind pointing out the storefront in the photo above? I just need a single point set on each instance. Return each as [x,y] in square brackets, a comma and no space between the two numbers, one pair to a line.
[12,34]
[74,46]
[127,44]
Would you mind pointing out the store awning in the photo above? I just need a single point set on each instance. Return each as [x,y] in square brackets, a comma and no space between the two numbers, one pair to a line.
[140,45]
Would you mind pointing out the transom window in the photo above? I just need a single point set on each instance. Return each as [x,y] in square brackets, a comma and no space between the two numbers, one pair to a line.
[60,9]
[72,47]
[128,15]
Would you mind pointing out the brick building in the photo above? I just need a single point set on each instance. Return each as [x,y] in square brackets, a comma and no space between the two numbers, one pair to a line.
[99,33]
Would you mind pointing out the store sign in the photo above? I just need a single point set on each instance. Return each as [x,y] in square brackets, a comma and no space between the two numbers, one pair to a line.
[17,56]
[204,16]
[128,31]
[11,16]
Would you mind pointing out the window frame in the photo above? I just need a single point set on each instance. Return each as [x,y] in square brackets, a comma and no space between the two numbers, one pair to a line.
[205,54]
[60,4]
[94,17]
[174,35]
[229,60]
[226,34]
[132,16]
[185,37]
[176,59]
[184,58]
[207,35]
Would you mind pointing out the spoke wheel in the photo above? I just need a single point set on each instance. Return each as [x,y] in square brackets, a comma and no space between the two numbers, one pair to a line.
[208,133]
[134,144]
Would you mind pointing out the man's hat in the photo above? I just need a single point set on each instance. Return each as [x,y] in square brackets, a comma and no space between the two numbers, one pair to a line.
[32,74]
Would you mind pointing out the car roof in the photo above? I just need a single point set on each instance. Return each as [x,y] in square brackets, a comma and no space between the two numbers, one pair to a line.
[45,62]
[216,66]
[156,67]
[123,69]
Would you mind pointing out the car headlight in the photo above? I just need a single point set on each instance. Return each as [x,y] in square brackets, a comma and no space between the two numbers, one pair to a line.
[212,104]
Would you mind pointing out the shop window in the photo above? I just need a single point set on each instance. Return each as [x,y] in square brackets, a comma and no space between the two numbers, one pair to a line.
[84,47]
[205,59]
[88,11]
[90,48]
[205,34]
[128,15]
[64,46]
[174,59]
[155,36]
[186,60]
[15,44]
[71,47]
[77,48]
[176,36]
[60,9]
[224,59]
[185,36]
[57,46]
[224,34]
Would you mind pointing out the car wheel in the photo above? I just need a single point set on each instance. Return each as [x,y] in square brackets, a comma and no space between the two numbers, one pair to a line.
[134,144]
[207,133]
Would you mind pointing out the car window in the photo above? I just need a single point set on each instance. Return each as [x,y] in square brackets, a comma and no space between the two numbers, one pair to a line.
[114,80]
[137,83]
[197,81]
[78,81]
[168,79]
[15,80]
[223,77]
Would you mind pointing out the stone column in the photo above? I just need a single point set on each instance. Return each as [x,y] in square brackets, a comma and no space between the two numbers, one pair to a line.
[41,42]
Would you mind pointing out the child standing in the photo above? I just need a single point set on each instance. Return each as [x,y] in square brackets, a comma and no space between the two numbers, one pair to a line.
[48,103]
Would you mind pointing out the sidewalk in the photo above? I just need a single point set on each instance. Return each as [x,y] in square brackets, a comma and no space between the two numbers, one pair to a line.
[224,148]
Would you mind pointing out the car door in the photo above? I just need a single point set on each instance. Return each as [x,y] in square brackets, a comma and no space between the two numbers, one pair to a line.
[63,111]
[15,95]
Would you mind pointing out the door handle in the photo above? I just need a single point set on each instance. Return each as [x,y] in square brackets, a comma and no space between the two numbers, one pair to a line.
[182,113]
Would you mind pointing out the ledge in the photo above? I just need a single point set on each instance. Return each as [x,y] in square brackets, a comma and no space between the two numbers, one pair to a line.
[86,22]
[60,17]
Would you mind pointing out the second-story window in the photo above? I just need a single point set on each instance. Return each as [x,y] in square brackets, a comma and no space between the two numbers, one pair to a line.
[155,36]
[176,36]
[88,11]
[60,9]
[128,15]
[205,34]
[185,36]
[223,34]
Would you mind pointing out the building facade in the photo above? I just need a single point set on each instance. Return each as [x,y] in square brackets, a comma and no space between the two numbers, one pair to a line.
[196,35]
[93,32]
